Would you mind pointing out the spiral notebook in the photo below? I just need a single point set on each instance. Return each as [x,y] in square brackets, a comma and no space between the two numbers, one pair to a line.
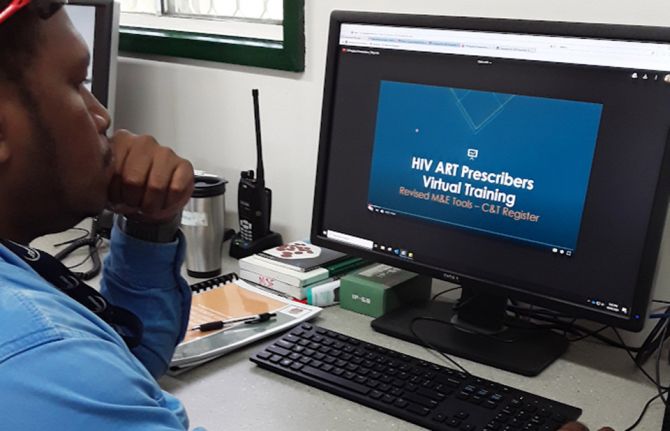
[226,297]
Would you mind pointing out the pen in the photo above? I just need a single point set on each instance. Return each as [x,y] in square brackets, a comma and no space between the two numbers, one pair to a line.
[218,324]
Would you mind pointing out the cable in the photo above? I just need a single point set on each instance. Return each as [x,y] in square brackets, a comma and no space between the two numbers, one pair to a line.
[589,334]
[449,358]
[658,363]
[651,379]
[580,331]
[644,411]
[437,295]
[653,343]
[89,256]
[69,241]
[653,340]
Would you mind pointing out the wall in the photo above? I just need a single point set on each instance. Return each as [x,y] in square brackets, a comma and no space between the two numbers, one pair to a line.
[204,110]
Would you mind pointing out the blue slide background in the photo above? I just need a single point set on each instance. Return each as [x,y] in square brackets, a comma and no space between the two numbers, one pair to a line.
[551,141]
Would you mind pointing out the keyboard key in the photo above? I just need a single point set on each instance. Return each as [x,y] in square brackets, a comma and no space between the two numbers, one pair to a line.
[463,396]
[297,332]
[417,409]
[285,344]
[278,350]
[429,393]
[388,399]
[399,402]
[462,415]
[453,422]
[418,399]
[372,383]
[313,372]
[396,392]
[264,354]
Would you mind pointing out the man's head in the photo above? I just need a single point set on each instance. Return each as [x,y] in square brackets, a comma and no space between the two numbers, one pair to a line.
[54,157]
[18,42]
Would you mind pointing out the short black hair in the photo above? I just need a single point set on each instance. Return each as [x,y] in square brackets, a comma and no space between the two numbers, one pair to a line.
[18,43]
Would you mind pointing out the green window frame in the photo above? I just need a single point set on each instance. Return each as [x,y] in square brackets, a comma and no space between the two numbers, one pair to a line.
[288,54]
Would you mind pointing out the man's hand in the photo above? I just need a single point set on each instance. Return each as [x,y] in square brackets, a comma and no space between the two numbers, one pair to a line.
[576,426]
[150,182]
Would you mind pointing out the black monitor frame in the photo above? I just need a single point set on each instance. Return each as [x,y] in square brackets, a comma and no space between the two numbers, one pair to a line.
[475,282]
[104,53]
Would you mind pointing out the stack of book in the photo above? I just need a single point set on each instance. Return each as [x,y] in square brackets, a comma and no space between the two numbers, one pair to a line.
[295,268]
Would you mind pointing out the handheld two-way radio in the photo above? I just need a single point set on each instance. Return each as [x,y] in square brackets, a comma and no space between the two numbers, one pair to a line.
[254,200]
[254,204]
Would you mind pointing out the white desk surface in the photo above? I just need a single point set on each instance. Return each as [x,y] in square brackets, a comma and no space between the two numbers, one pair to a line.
[231,393]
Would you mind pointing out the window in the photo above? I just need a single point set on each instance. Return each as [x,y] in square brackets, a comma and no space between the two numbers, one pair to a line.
[264,33]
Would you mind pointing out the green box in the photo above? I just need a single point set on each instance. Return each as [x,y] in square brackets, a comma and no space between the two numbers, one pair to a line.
[375,290]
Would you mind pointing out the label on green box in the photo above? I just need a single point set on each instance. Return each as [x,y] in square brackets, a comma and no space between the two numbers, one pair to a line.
[387,275]
[376,290]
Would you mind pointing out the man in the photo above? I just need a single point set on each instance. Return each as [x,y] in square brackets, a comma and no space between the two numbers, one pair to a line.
[61,366]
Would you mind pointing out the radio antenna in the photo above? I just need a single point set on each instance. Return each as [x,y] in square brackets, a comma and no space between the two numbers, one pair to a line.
[260,172]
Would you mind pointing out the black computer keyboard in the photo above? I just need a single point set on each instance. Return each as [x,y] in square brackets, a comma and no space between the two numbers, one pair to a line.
[417,391]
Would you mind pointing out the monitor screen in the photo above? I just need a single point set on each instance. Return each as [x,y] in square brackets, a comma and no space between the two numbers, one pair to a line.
[98,23]
[526,158]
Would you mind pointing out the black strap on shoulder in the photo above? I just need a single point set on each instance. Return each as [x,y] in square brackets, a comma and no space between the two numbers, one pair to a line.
[124,322]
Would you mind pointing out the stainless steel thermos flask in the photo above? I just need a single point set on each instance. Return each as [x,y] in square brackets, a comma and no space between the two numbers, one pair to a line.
[203,226]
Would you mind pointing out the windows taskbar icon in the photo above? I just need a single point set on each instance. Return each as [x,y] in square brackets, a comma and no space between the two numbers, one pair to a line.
[395,251]
[561,251]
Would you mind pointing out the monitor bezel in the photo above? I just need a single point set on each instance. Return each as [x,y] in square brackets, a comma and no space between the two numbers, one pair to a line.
[646,273]
[105,51]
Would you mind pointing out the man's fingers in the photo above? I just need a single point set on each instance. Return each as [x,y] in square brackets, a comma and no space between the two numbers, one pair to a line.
[181,186]
[573,426]
[150,180]
[157,190]
[136,171]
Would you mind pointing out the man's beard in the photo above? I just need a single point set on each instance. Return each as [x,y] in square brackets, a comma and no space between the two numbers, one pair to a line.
[43,144]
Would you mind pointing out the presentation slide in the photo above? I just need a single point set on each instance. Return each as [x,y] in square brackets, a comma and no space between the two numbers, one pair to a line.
[508,165]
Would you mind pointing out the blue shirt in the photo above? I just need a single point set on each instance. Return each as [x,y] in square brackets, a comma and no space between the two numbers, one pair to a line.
[61,367]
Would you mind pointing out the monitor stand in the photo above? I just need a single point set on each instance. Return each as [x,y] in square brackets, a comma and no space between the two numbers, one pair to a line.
[478,329]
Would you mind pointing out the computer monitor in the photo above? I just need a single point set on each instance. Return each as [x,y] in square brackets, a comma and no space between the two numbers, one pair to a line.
[523,160]
[98,23]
